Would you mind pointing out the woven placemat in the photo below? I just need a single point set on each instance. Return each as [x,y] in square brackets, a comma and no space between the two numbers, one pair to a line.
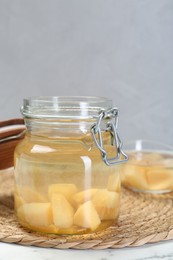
[143,219]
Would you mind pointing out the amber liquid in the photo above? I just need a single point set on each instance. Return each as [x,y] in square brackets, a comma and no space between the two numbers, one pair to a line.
[148,171]
[64,187]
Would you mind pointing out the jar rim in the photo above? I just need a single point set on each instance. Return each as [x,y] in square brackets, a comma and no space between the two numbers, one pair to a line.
[64,107]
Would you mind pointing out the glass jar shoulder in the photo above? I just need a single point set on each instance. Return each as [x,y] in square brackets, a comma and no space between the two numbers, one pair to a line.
[60,149]
[42,146]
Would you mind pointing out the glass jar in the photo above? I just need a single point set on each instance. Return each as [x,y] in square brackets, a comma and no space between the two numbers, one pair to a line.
[66,168]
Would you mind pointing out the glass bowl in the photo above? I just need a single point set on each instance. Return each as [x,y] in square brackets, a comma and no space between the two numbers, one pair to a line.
[149,168]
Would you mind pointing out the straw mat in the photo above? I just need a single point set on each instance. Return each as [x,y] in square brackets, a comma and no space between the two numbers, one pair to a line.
[143,219]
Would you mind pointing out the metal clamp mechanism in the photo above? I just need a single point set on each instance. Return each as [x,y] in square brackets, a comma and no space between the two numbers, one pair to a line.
[112,128]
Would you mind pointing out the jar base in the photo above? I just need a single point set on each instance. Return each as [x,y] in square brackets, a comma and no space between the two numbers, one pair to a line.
[74,230]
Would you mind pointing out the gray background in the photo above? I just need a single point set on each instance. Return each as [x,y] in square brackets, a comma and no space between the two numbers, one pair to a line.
[121,49]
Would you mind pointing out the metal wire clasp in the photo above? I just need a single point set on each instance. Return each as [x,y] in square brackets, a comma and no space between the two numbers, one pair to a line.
[111,126]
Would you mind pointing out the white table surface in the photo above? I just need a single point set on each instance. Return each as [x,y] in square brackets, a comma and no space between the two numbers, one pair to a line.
[156,251]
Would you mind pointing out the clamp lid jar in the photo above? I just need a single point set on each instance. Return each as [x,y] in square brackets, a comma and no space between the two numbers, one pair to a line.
[66,172]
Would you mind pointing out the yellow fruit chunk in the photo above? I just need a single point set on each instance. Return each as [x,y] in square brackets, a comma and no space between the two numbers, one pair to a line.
[36,214]
[106,203]
[114,182]
[30,195]
[68,190]
[86,216]
[74,230]
[83,196]
[18,201]
[160,179]
[51,229]
[134,176]
[62,211]
[21,214]
[168,163]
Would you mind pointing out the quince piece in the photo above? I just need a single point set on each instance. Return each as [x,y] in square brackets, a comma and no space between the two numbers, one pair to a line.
[73,230]
[107,204]
[29,195]
[18,201]
[168,163]
[135,177]
[51,229]
[36,214]
[63,212]
[86,216]
[66,189]
[21,214]
[83,196]
[114,182]
[160,178]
